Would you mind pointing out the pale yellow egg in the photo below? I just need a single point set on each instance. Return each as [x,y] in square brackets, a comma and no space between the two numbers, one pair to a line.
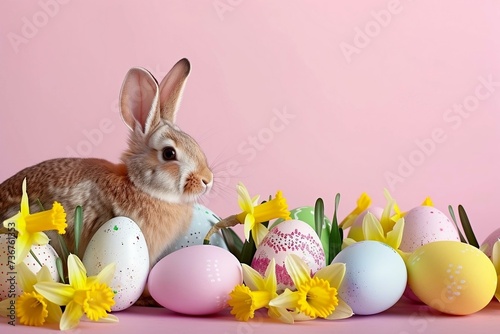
[452,277]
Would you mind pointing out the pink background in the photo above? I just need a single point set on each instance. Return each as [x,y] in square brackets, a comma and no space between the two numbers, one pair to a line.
[371,89]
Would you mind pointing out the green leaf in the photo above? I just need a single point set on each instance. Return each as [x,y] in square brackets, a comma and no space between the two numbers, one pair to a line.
[78,227]
[452,214]
[40,204]
[64,249]
[233,241]
[469,233]
[60,270]
[248,251]
[319,216]
[36,258]
[335,233]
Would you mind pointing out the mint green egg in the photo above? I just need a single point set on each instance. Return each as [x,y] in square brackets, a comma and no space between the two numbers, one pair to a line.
[306,214]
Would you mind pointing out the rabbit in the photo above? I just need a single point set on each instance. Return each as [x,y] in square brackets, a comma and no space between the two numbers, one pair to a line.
[162,173]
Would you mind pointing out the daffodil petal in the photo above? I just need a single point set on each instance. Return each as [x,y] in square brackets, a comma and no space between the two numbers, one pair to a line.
[57,293]
[55,313]
[347,242]
[22,247]
[71,316]
[44,275]
[287,300]
[26,278]
[333,273]
[13,220]
[270,276]
[372,230]
[297,269]
[76,272]
[342,311]
[255,200]
[244,199]
[39,238]
[495,256]
[4,306]
[252,278]
[280,314]
[395,236]
[25,206]
[248,225]
[109,319]
[107,273]
[260,231]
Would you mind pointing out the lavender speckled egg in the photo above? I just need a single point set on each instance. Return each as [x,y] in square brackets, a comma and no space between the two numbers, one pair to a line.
[8,274]
[425,224]
[289,237]
[203,219]
[120,240]
[490,241]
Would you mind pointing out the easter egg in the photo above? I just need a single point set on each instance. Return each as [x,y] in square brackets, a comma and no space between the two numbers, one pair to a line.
[306,214]
[490,241]
[8,273]
[120,240]
[195,280]
[356,229]
[424,224]
[375,277]
[289,237]
[202,221]
[452,277]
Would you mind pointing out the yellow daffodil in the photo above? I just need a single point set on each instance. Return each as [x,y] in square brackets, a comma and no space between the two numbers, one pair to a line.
[32,309]
[30,227]
[254,214]
[314,297]
[495,257]
[83,295]
[255,294]
[385,230]
[364,201]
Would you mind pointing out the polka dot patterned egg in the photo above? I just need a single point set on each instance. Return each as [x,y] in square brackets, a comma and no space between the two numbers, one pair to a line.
[452,277]
[203,219]
[289,237]
[120,240]
[306,214]
[424,224]
[45,254]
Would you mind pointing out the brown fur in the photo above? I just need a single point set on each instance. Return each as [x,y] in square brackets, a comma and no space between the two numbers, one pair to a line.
[136,188]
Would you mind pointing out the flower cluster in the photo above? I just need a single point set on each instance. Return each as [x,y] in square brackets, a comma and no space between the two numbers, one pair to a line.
[42,298]
[313,297]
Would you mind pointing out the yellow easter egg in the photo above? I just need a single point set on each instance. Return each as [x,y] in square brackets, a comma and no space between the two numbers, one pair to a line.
[452,277]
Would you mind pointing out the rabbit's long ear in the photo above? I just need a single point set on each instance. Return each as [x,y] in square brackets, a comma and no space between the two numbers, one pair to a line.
[139,100]
[171,88]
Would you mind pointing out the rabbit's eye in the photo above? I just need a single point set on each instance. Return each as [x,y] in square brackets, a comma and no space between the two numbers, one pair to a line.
[169,153]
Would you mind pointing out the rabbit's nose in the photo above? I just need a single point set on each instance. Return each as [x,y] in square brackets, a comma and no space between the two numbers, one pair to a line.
[207,178]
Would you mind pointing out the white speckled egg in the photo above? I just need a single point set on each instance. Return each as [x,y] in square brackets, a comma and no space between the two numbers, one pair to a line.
[203,219]
[120,240]
[375,277]
[8,280]
[424,224]
[195,280]
[289,237]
